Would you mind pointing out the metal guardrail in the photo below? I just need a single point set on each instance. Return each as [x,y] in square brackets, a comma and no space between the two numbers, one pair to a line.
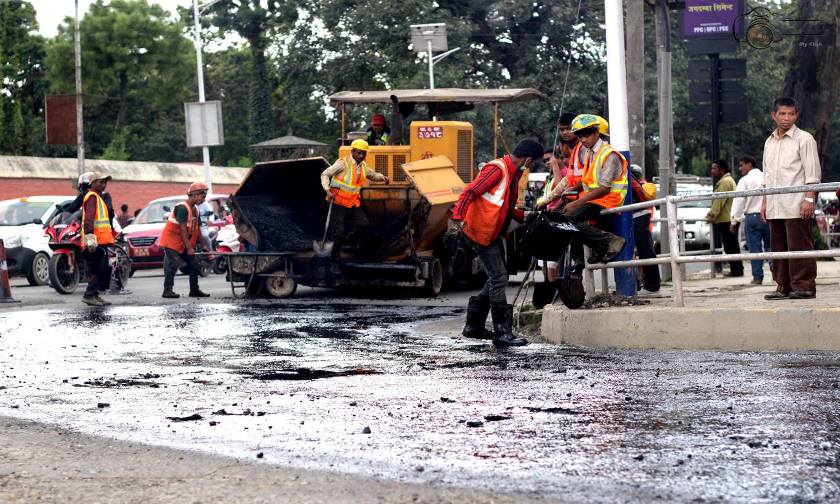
[676,257]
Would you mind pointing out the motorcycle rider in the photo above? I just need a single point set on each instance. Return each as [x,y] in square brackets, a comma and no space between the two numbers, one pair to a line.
[178,239]
[97,236]
[603,185]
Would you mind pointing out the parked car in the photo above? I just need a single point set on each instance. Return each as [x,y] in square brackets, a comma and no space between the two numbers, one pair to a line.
[22,223]
[696,228]
[143,233]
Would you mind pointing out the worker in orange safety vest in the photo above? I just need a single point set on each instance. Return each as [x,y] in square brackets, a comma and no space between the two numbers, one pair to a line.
[179,238]
[483,212]
[343,183]
[97,236]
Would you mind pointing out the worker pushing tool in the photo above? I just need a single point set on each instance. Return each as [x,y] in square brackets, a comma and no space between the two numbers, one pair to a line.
[179,238]
[343,182]
[483,213]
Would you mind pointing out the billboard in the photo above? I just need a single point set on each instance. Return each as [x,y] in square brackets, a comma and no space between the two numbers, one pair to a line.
[204,123]
[712,26]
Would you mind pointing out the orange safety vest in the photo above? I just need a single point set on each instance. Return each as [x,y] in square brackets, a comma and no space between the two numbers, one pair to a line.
[101,223]
[484,214]
[575,172]
[171,235]
[618,187]
[346,187]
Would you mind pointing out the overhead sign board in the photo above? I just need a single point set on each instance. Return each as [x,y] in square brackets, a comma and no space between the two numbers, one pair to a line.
[712,26]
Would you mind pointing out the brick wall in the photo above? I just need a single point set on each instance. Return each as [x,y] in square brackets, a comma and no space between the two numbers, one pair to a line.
[135,194]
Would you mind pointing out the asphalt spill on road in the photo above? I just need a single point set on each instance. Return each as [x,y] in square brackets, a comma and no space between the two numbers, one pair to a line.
[385,390]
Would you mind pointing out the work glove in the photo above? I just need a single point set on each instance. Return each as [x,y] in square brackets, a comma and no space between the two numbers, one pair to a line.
[90,242]
[452,236]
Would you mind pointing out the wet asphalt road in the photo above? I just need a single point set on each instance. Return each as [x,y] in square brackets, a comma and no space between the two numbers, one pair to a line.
[302,383]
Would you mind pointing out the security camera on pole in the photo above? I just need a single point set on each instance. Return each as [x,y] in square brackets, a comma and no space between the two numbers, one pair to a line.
[204,118]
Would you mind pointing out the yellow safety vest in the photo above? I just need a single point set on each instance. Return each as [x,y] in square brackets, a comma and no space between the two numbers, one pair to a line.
[101,224]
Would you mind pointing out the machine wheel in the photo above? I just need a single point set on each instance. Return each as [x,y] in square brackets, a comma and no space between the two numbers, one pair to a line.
[220,265]
[434,283]
[571,292]
[280,287]
[62,278]
[39,270]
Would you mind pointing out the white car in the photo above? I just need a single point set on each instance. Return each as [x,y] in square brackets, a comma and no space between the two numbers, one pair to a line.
[696,229]
[22,222]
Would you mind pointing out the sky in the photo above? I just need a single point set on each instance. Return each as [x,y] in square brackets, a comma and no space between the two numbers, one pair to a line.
[52,12]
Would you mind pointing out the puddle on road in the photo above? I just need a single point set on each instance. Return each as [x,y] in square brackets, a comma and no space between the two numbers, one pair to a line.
[357,389]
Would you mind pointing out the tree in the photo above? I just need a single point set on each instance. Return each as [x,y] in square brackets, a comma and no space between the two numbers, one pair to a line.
[137,70]
[21,77]
[814,69]
[256,21]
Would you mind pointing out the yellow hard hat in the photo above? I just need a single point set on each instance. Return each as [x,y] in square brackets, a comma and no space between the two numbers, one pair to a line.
[360,144]
[584,121]
[603,126]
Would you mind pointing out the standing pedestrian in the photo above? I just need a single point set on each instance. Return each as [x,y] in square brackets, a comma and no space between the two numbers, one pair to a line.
[483,212]
[644,191]
[748,211]
[124,218]
[179,238]
[790,159]
[720,216]
[97,236]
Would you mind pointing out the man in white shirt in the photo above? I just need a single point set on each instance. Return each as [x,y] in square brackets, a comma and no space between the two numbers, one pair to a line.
[790,159]
[748,211]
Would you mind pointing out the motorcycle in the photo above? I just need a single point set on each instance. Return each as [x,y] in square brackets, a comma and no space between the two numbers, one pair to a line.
[67,267]
[553,237]
[226,242]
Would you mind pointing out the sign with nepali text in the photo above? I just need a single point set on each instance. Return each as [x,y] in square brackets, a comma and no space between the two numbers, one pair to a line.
[711,18]
[425,132]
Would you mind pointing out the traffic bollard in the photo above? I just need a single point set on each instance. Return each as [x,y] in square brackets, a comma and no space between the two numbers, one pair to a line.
[5,288]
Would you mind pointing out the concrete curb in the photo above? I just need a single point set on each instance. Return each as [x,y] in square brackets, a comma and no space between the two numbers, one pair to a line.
[793,328]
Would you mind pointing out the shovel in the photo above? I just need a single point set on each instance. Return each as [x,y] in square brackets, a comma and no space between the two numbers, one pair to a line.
[323,248]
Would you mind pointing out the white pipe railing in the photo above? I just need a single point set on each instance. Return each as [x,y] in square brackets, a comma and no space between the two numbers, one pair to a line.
[677,257]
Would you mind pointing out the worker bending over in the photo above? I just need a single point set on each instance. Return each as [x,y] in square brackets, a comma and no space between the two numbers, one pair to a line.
[343,182]
[179,238]
[483,213]
[603,185]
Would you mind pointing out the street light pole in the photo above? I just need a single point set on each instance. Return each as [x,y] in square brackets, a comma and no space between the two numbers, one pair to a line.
[80,134]
[205,150]
[431,65]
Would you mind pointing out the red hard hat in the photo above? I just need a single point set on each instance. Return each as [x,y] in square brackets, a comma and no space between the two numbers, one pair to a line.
[378,119]
[196,187]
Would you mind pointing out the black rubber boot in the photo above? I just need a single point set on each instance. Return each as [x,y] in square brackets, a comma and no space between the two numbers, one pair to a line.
[477,310]
[503,325]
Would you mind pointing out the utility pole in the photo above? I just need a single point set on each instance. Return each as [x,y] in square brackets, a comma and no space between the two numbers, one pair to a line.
[667,183]
[80,135]
[205,150]
[625,278]
[636,79]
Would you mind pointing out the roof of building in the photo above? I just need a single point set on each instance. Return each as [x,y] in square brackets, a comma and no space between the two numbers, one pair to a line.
[141,171]
[288,141]
[437,95]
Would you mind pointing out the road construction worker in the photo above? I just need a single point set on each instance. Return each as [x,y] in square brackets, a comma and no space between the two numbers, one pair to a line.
[378,133]
[97,236]
[179,238]
[483,213]
[343,182]
[603,185]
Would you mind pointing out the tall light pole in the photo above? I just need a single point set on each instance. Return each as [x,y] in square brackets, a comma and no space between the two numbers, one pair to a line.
[625,278]
[80,134]
[205,150]
[430,38]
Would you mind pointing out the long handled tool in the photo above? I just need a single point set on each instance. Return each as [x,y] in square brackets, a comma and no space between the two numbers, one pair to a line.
[323,248]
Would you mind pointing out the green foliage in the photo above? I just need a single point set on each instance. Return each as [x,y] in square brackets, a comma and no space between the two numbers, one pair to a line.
[137,72]
[116,150]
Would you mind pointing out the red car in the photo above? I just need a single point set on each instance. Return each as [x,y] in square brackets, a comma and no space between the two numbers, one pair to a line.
[144,231]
